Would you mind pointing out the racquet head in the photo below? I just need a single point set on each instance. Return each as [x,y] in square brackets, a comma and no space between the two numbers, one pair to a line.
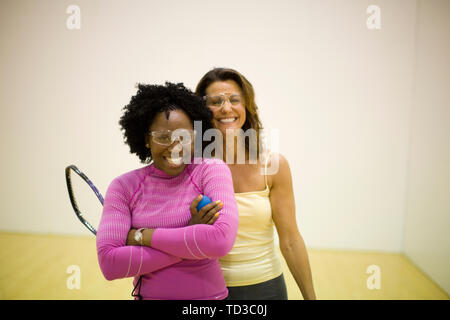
[80,185]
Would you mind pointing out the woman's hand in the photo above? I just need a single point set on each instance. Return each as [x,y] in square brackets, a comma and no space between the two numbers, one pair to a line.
[207,214]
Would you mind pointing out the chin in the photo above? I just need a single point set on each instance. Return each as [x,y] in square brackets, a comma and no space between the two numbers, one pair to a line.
[231,126]
[171,171]
[170,168]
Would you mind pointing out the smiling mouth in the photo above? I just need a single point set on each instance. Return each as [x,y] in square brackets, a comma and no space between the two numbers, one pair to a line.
[174,162]
[227,120]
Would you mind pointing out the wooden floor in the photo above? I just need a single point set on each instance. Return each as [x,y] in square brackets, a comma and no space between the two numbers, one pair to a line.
[35,267]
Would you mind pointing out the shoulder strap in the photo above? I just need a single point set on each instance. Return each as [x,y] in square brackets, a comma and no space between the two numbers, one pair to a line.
[265,168]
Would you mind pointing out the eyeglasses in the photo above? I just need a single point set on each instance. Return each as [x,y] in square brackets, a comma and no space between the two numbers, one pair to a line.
[168,137]
[217,101]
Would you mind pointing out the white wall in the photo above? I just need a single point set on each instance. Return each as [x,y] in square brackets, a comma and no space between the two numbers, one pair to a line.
[427,219]
[339,92]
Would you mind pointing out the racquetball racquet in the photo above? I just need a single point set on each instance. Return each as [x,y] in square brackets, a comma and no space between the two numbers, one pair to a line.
[70,189]
[71,186]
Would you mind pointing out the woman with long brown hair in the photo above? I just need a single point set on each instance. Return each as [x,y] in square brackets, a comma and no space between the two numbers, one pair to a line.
[253,269]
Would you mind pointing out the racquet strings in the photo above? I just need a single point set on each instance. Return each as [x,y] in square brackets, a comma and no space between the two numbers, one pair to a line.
[86,200]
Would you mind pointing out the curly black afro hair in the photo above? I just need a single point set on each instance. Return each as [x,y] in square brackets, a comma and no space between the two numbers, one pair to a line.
[153,99]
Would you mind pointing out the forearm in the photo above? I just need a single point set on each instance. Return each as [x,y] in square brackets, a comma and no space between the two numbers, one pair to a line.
[131,261]
[116,259]
[296,257]
[197,241]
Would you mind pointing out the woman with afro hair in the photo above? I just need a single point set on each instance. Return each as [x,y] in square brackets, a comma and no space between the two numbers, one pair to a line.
[150,228]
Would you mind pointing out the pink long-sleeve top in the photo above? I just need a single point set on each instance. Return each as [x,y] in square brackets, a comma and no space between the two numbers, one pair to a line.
[183,260]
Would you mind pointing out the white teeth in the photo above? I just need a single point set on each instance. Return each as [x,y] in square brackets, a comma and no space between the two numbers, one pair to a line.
[175,161]
[227,120]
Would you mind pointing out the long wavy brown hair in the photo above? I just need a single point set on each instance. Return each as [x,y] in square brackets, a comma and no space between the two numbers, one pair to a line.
[251,109]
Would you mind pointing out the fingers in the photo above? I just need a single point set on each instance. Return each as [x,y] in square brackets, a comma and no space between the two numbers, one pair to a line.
[208,214]
[211,216]
[194,204]
[214,218]
[204,210]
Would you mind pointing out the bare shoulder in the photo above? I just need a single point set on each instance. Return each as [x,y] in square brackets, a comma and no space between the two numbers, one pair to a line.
[278,170]
[276,160]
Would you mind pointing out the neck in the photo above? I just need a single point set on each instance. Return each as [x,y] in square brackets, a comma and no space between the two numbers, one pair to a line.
[234,150]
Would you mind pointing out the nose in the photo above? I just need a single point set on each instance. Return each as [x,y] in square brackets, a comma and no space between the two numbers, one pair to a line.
[176,146]
[226,106]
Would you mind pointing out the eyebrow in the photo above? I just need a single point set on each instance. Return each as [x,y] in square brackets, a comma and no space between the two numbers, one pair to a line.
[227,93]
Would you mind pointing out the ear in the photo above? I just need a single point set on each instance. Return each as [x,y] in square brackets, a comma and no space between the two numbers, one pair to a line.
[147,141]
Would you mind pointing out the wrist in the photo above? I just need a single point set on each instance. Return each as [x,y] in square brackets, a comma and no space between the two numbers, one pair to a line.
[138,236]
[147,235]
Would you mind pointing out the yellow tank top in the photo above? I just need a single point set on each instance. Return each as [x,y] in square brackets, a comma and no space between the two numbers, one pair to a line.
[253,258]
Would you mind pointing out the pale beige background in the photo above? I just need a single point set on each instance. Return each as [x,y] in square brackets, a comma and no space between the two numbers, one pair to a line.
[363,114]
